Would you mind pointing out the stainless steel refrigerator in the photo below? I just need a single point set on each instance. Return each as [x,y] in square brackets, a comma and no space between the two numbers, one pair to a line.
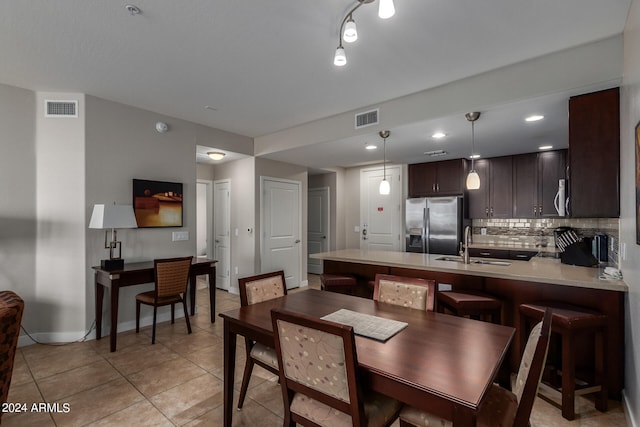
[434,225]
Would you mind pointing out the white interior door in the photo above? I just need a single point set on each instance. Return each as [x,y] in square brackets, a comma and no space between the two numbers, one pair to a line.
[380,215]
[222,232]
[317,227]
[281,222]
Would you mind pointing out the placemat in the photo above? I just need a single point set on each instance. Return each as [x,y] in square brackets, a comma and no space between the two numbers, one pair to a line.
[366,325]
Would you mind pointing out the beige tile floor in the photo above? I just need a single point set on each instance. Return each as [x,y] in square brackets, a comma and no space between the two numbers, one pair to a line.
[178,381]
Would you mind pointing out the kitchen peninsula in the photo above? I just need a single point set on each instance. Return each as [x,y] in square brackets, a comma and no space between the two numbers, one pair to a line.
[537,280]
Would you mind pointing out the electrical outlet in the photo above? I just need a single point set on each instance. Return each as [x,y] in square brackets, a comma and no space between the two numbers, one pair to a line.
[178,236]
[483,231]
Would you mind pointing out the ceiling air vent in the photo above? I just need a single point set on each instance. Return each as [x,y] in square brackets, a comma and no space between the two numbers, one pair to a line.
[368,118]
[435,153]
[60,108]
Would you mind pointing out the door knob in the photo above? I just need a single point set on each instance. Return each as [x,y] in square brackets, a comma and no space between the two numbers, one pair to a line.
[297,241]
[324,237]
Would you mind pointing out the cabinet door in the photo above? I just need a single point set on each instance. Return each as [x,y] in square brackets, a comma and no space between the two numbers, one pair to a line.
[450,177]
[422,178]
[478,200]
[525,185]
[551,168]
[501,187]
[594,154]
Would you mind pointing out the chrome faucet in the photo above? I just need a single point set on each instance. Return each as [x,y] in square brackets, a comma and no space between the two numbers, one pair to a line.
[467,242]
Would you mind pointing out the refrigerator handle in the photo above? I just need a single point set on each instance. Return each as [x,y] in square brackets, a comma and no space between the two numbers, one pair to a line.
[425,232]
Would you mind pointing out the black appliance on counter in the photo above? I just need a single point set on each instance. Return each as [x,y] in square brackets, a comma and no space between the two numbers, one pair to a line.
[574,250]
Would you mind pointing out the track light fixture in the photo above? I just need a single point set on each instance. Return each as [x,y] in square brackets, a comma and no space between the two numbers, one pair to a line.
[348,31]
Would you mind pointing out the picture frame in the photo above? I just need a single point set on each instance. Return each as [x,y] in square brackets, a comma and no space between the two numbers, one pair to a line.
[637,137]
[157,203]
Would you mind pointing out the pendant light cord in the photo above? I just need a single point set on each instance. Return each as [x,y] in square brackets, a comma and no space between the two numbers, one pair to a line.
[384,162]
[473,145]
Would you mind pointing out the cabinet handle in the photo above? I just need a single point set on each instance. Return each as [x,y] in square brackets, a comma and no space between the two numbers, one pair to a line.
[433,187]
[491,210]
[437,187]
[486,211]
[540,210]
[520,256]
[485,253]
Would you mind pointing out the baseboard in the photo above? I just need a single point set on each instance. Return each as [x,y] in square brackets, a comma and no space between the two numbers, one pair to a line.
[69,337]
[304,284]
[628,408]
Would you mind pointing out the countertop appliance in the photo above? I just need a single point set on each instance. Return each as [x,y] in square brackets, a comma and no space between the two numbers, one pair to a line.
[433,225]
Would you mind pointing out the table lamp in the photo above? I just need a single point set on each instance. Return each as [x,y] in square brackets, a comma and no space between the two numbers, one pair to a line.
[105,217]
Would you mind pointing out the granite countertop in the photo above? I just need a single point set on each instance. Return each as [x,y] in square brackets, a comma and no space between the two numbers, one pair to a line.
[538,269]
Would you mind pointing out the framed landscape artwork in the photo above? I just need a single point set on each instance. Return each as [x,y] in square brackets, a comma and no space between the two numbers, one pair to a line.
[157,203]
[637,134]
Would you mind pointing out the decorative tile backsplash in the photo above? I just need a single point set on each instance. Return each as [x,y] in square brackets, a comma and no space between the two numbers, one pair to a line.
[538,233]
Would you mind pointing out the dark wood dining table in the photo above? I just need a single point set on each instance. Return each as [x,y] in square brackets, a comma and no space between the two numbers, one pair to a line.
[439,363]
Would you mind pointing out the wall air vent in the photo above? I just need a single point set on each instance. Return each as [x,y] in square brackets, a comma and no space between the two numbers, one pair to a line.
[57,108]
[368,118]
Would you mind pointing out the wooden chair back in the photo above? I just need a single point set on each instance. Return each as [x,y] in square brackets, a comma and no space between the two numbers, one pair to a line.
[302,344]
[409,292]
[262,287]
[172,276]
[531,366]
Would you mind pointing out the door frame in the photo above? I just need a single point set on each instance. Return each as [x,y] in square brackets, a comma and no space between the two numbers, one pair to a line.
[263,179]
[230,254]
[327,214]
[209,214]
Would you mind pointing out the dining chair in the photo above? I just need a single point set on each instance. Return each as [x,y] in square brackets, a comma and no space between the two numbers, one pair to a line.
[255,289]
[503,408]
[319,375]
[11,310]
[171,279]
[409,292]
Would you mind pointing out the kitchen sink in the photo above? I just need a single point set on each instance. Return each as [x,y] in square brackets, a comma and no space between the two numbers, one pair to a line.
[473,260]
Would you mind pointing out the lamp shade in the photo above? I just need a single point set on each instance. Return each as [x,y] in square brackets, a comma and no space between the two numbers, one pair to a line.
[473,180]
[350,32]
[385,187]
[386,9]
[112,216]
[340,59]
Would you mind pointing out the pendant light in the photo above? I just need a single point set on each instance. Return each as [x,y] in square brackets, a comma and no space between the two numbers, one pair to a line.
[385,187]
[473,179]
[350,34]
[386,9]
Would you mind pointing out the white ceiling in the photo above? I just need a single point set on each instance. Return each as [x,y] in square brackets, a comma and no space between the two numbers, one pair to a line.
[265,66]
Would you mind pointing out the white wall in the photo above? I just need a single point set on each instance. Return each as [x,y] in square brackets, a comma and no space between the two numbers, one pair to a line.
[630,264]
[18,223]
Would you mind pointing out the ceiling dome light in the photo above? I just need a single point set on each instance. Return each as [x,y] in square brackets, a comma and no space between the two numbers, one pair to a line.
[438,135]
[216,155]
[371,147]
[386,9]
[350,32]
[545,147]
[534,118]
[340,59]
[474,156]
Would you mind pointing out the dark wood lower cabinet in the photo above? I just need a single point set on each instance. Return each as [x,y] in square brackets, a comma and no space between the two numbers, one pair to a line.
[513,293]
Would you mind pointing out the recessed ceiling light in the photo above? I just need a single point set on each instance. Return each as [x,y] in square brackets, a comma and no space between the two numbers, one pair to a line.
[534,118]
[545,147]
[216,155]
[438,135]
[474,156]
[370,146]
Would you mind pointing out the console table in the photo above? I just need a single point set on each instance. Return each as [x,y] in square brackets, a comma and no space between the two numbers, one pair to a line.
[143,272]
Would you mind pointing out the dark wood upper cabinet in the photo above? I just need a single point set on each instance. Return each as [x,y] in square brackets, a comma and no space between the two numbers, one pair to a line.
[535,183]
[494,197]
[594,155]
[437,178]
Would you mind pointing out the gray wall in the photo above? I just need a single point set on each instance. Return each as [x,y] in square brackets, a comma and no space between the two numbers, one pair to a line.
[630,261]
[18,222]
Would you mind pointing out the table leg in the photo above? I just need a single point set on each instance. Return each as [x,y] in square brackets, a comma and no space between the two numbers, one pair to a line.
[212,293]
[192,292]
[113,328]
[229,372]
[99,298]
[463,417]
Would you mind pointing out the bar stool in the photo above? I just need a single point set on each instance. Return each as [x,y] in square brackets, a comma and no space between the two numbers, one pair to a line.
[570,321]
[340,283]
[474,304]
